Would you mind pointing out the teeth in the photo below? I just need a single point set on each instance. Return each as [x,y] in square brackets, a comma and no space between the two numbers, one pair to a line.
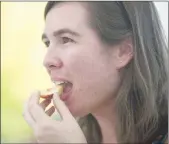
[58,82]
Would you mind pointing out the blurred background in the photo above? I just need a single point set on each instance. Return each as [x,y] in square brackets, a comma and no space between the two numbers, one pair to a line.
[22,55]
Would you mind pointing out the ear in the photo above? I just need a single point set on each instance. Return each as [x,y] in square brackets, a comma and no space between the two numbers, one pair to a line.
[124,53]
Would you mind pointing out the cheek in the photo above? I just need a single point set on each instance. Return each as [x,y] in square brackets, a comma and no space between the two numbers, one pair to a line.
[90,97]
[94,83]
[86,61]
[94,78]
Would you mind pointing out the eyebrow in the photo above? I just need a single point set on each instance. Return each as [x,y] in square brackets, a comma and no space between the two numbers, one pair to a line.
[60,32]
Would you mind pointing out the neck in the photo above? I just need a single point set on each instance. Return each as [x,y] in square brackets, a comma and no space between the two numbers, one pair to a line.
[105,117]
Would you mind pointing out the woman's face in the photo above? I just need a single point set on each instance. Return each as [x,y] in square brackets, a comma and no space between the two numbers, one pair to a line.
[76,54]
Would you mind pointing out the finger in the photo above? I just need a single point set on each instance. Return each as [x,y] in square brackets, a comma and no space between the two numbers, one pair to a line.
[61,107]
[45,103]
[50,111]
[27,116]
[35,97]
[35,109]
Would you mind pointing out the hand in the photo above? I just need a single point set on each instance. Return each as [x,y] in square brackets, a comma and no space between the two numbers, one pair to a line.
[46,129]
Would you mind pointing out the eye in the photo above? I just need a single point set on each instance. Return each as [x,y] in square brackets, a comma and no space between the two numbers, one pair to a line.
[47,43]
[65,40]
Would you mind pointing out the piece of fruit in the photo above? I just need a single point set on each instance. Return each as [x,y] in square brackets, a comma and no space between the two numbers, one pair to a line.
[48,93]
[59,89]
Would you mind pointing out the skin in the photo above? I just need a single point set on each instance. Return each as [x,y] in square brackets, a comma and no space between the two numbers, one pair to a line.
[85,62]
[90,65]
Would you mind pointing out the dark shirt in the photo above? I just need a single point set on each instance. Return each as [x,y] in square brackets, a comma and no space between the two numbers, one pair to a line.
[162,139]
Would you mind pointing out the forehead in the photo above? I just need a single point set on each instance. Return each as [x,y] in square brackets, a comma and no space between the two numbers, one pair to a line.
[71,15]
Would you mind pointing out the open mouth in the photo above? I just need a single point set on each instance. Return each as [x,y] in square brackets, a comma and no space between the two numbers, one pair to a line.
[67,88]
[63,89]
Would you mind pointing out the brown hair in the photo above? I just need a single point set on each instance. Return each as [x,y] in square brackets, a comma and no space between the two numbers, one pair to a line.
[142,101]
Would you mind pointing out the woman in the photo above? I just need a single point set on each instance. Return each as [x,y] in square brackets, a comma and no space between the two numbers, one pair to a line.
[113,56]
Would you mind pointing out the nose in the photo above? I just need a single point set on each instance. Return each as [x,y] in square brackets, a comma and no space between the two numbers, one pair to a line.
[52,61]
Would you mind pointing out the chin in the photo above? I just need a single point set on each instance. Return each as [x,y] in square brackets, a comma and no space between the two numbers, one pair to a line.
[76,108]
[77,112]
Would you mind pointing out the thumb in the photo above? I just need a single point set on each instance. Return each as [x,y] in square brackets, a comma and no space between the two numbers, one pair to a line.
[61,107]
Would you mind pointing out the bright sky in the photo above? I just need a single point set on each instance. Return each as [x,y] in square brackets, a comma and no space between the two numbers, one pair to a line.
[162,7]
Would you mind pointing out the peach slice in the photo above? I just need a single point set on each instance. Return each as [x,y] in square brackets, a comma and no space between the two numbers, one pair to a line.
[48,93]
